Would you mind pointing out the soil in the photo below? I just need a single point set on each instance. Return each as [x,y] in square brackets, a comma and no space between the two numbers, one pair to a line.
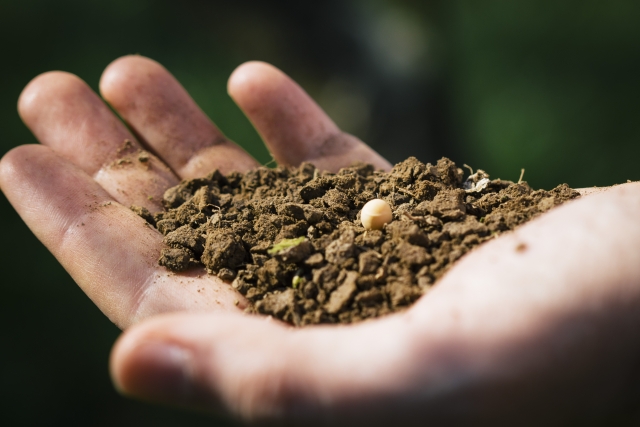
[291,241]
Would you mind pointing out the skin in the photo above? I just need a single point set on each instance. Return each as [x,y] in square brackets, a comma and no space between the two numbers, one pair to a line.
[536,327]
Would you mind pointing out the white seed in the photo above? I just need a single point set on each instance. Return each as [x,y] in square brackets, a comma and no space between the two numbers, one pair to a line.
[375,214]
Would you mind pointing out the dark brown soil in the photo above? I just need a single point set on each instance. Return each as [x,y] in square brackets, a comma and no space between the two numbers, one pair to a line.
[291,241]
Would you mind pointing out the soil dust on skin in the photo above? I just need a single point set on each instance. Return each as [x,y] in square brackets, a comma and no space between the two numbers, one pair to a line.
[291,241]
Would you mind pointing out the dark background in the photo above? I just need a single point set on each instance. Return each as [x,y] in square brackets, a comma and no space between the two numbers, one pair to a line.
[549,86]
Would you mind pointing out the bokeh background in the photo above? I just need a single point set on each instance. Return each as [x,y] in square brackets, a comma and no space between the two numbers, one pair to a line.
[552,86]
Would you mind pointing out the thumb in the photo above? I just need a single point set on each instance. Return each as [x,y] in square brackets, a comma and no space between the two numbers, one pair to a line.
[258,369]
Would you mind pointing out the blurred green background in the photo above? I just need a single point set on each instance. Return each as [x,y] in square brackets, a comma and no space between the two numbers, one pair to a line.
[549,86]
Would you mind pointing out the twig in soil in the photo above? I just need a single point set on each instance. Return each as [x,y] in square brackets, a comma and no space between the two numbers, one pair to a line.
[468,167]
[411,217]
[407,192]
[273,160]
[219,217]
[521,176]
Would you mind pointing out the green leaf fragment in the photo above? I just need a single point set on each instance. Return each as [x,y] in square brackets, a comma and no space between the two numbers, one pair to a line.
[285,244]
[297,280]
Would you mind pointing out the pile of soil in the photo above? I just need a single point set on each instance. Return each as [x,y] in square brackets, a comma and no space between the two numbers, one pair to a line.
[291,241]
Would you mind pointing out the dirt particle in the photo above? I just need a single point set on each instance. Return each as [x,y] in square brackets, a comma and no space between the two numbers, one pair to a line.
[343,294]
[175,259]
[144,213]
[126,146]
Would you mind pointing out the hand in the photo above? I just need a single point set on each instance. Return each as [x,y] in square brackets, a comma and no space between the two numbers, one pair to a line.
[508,337]
[74,190]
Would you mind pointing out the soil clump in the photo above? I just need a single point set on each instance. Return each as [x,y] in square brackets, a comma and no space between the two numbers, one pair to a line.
[291,241]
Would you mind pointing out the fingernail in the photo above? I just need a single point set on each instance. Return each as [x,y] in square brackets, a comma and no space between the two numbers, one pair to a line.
[157,371]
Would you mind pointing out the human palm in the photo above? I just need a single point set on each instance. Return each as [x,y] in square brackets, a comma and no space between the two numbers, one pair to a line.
[508,336]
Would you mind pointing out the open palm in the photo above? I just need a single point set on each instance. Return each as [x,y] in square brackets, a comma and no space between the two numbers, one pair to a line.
[544,334]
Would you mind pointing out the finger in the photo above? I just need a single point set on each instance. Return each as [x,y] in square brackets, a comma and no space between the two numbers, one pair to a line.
[292,125]
[108,250]
[66,115]
[163,114]
[260,370]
